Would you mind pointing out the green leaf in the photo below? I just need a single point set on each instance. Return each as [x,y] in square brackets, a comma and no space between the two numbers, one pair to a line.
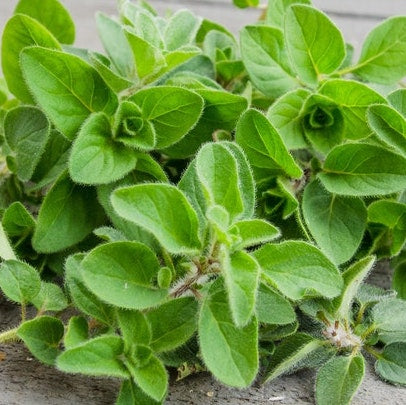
[323,123]
[241,274]
[53,162]
[292,354]
[353,98]
[253,232]
[217,170]
[390,319]
[17,221]
[42,336]
[353,169]
[338,380]
[172,323]
[53,15]
[299,269]
[273,308]
[391,366]
[121,273]
[397,99]
[131,394]
[115,43]
[26,130]
[50,298]
[393,215]
[399,280]
[152,378]
[276,11]
[389,125]
[83,299]
[66,88]
[181,29]
[383,52]
[265,59]
[315,45]
[285,115]
[229,352]
[221,111]
[164,211]
[147,58]
[76,333]
[96,158]
[68,214]
[264,146]
[353,277]
[134,327]
[97,357]
[173,111]
[337,223]
[19,281]
[246,3]
[21,31]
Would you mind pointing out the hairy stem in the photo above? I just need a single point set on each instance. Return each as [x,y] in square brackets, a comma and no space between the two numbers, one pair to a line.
[9,336]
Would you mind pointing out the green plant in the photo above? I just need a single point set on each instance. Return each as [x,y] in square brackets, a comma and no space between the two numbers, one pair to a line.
[155,179]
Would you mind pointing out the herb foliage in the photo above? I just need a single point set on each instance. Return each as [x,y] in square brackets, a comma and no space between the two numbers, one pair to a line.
[211,204]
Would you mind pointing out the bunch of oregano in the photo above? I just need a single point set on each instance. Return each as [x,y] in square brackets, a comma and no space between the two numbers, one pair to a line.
[209,203]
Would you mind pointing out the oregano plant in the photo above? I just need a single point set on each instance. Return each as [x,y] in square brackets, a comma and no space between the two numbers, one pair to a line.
[195,201]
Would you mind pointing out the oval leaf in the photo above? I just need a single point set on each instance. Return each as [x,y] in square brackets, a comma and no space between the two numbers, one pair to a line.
[121,274]
[299,269]
[164,211]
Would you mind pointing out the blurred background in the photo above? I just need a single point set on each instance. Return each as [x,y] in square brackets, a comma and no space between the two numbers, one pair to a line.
[354,17]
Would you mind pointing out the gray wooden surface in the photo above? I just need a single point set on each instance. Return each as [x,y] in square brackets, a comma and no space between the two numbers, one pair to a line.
[23,381]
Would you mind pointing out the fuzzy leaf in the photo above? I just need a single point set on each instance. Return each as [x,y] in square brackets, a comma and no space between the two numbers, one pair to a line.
[164,211]
[264,146]
[389,125]
[121,273]
[68,214]
[276,11]
[397,100]
[383,52]
[265,59]
[353,169]
[97,357]
[399,280]
[50,298]
[96,158]
[42,336]
[66,88]
[241,274]
[273,308]
[17,221]
[337,223]
[353,277]
[299,269]
[26,130]
[315,45]
[292,354]
[83,299]
[181,29]
[131,394]
[392,365]
[21,31]
[285,115]
[134,328]
[229,352]
[51,14]
[76,333]
[173,111]
[19,281]
[253,232]
[172,323]
[353,99]
[338,380]
[390,319]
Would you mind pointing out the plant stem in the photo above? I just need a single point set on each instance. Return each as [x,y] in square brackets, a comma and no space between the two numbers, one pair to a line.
[6,251]
[9,336]
[168,261]
[370,330]
[372,351]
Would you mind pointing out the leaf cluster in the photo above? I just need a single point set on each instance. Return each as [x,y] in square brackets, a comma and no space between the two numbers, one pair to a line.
[204,203]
